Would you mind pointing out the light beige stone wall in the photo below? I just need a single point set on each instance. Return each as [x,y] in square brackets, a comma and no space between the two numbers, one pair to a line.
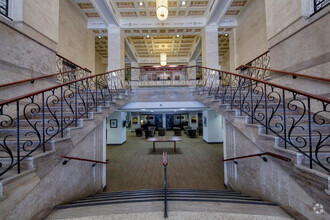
[251,34]
[280,14]
[301,46]
[52,183]
[274,180]
[75,41]
[43,16]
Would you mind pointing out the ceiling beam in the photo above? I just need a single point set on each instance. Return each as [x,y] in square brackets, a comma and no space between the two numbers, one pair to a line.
[105,11]
[130,52]
[196,51]
[153,60]
[219,11]
[129,23]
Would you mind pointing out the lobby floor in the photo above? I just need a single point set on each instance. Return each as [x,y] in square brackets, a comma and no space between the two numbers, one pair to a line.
[133,165]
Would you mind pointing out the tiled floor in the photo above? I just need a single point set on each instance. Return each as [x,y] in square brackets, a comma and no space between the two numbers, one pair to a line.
[195,165]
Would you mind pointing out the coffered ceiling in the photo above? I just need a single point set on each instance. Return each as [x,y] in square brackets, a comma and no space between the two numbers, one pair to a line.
[173,46]
[148,39]
[147,8]
[223,41]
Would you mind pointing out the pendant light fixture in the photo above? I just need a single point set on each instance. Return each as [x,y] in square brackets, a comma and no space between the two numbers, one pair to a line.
[162,9]
[163,59]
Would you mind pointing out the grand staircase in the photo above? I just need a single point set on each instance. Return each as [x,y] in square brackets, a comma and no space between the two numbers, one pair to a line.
[35,129]
[195,201]
[299,123]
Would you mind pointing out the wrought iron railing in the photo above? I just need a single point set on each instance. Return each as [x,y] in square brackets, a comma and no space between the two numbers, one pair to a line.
[300,120]
[65,65]
[28,123]
[60,77]
[165,163]
[4,8]
[320,4]
[262,61]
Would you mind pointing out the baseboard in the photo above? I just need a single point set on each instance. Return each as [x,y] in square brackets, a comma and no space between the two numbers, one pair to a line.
[118,143]
[221,142]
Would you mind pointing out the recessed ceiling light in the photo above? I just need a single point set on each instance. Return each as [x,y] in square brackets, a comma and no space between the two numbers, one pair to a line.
[148,36]
[226,35]
[151,52]
[183,3]
[141,3]
[99,37]
[177,35]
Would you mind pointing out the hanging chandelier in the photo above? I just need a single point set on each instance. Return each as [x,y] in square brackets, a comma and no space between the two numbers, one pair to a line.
[163,59]
[162,9]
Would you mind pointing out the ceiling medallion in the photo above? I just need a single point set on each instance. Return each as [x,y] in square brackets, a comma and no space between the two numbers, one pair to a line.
[162,9]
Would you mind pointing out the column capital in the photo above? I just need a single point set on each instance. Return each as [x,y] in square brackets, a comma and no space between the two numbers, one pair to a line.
[113,28]
[211,28]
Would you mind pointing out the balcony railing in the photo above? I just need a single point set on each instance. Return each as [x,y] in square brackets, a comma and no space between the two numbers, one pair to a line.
[4,8]
[299,119]
[28,123]
[262,61]
[320,4]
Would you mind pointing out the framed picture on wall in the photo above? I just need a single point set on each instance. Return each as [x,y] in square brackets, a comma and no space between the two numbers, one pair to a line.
[135,120]
[113,123]
[193,120]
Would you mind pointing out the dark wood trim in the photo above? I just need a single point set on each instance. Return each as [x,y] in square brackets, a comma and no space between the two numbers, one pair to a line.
[37,78]
[221,142]
[288,73]
[86,160]
[320,98]
[253,60]
[257,155]
[116,144]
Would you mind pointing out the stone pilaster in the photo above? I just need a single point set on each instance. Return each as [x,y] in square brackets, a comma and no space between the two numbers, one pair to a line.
[135,73]
[210,54]
[116,55]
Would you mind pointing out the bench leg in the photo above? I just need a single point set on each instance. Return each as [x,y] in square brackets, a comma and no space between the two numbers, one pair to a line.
[153,147]
[174,146]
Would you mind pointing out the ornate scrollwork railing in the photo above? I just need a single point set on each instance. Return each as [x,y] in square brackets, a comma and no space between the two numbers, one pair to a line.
[320,4]
[4,8]
[300,120]
[28,123]
[262,61]
[64,65]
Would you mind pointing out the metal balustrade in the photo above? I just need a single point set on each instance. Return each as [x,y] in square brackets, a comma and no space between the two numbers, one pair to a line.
[299,119]
[4,8]
[28,123]
[320,4]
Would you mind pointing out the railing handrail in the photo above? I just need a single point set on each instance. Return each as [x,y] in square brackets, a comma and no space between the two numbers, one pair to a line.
[289,73]
[83,159]
[39,77]
[69,61]
[320,98]
[261,154]
[48,75]
[252,60]
[53,87]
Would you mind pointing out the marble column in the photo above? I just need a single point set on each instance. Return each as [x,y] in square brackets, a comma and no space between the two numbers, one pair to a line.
[135,73]
[210,54]
[192,71]
[116,56]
